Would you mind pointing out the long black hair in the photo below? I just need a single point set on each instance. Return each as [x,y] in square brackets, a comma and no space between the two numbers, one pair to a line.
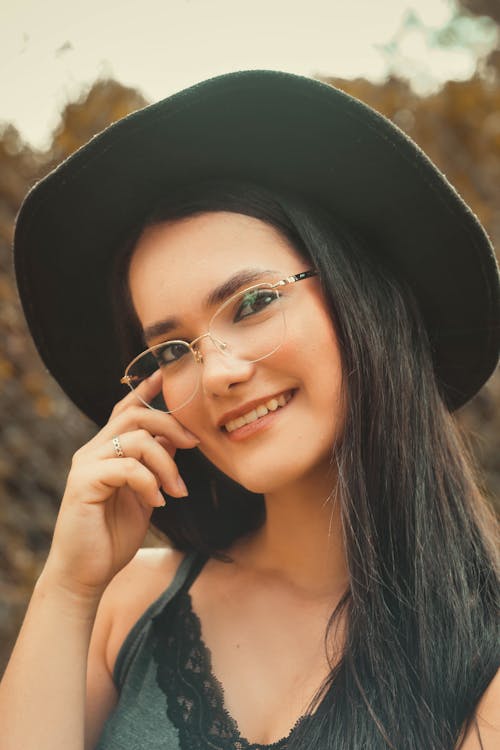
[421,610]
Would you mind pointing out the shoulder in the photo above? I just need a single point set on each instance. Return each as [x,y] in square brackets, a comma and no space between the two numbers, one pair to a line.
[488,720]
[131,592]
[133,589]
[149,572]
[125,599]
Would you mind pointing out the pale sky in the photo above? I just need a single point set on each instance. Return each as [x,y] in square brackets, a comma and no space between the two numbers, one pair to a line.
[51,50]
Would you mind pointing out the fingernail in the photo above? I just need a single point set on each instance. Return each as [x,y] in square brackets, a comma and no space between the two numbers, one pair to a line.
[182,487]
[161,500]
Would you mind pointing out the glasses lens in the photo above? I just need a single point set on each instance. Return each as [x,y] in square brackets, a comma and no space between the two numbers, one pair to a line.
[179,369]
[250,325]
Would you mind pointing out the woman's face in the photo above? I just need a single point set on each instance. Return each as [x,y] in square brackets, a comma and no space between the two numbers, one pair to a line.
[175,266]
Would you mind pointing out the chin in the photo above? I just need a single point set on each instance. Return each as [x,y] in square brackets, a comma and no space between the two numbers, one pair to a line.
[264,479]
[282,457]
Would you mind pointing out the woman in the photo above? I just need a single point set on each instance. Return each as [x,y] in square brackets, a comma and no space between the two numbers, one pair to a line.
[301,299]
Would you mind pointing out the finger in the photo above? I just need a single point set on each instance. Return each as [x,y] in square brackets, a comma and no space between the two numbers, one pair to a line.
[140,445]
[171,449]
[117,473]
[146,391]
[155,422]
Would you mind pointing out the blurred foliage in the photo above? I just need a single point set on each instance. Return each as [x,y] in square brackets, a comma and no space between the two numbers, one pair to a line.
[40,429]
[489,8]
[105,103]
[459,127]
[472,29]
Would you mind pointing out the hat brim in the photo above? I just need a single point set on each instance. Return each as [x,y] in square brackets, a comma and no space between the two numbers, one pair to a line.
[278,130]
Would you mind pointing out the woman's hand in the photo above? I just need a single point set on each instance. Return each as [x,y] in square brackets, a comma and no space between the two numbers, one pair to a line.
[108,500]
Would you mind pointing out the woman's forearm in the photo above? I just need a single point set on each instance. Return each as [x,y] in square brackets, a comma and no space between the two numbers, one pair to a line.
[42,693]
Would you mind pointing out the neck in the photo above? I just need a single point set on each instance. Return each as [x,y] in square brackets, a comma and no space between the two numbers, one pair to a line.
[301,540]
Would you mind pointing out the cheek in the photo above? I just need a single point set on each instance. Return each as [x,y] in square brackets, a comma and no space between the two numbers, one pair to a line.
[312,343]
[322,379]
[309,360]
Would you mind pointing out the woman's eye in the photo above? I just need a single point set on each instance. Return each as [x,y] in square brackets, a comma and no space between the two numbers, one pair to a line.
[254,303]
[169,353]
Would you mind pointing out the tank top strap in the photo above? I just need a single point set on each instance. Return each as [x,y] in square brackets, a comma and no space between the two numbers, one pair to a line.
[186,573]
[184,579]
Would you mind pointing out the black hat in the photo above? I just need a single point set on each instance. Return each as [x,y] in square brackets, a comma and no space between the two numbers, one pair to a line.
[273,129]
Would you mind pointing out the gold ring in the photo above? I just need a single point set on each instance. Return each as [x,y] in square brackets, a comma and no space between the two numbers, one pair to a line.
[118,447]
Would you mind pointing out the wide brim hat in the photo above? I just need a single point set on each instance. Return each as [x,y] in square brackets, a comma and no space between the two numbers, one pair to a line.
[274,129]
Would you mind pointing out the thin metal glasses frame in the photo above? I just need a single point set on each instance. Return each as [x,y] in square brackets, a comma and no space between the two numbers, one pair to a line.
[125,380]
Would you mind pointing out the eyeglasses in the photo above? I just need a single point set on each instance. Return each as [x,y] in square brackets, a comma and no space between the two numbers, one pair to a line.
[250,325]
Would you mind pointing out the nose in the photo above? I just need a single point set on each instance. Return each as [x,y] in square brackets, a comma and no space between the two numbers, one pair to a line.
[221,370]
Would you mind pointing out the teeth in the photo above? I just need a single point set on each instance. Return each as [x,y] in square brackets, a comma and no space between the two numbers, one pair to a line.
[260,411]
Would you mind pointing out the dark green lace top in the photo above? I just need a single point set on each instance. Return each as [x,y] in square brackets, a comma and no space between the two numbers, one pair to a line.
[169,698]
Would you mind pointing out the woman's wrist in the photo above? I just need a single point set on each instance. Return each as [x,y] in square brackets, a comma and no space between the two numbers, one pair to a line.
[71,597]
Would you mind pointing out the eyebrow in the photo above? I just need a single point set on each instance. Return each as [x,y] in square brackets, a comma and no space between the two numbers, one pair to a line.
[245,277]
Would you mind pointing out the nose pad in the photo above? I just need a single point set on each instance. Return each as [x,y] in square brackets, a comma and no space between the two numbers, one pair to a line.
[220,369]
[218,343]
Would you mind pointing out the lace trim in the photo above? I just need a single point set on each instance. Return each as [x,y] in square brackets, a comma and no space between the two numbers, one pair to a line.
[195,697]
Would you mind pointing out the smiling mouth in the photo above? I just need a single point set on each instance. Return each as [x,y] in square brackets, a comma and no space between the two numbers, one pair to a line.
[272,404]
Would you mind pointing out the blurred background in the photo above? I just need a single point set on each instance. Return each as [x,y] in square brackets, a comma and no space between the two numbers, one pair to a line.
[432,66]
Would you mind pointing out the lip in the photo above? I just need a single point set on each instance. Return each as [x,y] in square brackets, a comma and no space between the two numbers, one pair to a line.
[258,426]
[248,406]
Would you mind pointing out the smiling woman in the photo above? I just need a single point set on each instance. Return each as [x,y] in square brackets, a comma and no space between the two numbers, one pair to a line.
[287,348]
[297,300]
